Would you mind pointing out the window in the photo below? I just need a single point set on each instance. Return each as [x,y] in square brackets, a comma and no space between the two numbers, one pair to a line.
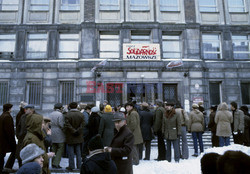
[39,5]
[109,44]
[37,45]
[139,5]
[34,92]
[9,5]
[171,45]
[66,92]
[215,93]
[207,5]
[245,93]
[109,5]
[241,46]
[68,45]
[4,92]
[140,37]
[169,5]
[211,46]
[236,5]
[170,92]
[114,93]
[7,45]
[70,5]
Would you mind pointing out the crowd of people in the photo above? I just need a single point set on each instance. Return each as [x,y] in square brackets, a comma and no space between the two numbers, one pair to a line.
[112,139]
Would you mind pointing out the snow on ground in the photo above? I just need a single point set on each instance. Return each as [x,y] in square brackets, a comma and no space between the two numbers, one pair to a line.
[190,166]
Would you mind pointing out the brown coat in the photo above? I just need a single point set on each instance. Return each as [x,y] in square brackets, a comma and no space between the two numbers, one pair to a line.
[133,123]
[122,145]
[223,119]
[7,133]
[196,121]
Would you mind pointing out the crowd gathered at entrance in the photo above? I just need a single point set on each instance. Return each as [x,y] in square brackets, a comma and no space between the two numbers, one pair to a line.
[112,139]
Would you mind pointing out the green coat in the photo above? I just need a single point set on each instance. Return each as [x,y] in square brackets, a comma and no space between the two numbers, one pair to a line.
[171,127]
[159,113]
[133,123]
[106,128]
[36,135]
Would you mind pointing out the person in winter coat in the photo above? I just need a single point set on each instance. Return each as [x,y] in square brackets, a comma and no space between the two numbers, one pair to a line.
[184,152]
[133,123]
[94,122]
[121,146]
[238,124]
[86,114]
[212,126]
[31,156]
[57,134]
[35,135]
[171,129]
[106,127]
[46,126]
[147,121]
[98,161]
[196,127]
[7,138]
[74,123]
[246,135]
[159,114]
[223,119]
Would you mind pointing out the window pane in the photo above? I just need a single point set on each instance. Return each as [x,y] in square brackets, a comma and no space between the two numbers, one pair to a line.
[241,47]
[214,89]
[211,46]
[7,45]
[109,4]
[139,5]
[34,91]
[9,5]
[4,92]
[236,5]
[68,45]
[109,44]
[66,92]
[171,46]
[208,6]
[70,5]
[39,5]
[245,93]
[169,5]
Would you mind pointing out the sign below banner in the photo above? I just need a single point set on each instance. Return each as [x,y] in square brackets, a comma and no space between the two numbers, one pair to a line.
[141,52]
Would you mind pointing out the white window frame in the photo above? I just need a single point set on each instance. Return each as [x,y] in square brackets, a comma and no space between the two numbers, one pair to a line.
[61,82]
[38,94]
[4,88]
[208,6]
[8,41]
[169,38]
[108,6]
[70,7]
[7,5]
[247,41]
[106,37]
[69,37]
[235,7]
[139,7]
[39,6]
[34,38]
[139,37]
[164,7]
[212,41]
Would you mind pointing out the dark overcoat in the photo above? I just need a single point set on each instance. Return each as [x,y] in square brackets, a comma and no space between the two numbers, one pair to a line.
[106,128]
[147,121]
[122,145]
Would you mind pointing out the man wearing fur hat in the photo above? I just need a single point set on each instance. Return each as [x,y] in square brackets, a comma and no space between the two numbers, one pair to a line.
[7,138]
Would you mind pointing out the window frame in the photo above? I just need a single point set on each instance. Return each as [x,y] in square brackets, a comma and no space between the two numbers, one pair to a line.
[107,5]
[179,41]
[244,7]
[77,6]
[78,45]
[220,91]
[28,83]
[140,33]
[208,6]
[60,90]
[135,7]
[238,40]
[241,92]
[9,53]
[9,4]
[6,93]
[37,5]
[39,41]
[219,53]
[166,6]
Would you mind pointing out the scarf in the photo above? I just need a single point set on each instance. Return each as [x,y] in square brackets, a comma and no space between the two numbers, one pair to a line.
[170,113]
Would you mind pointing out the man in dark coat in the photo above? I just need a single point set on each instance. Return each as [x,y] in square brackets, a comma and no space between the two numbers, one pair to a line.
[98,161]
[212,126]
[7,137]
[94,122]
[74,123]
[121,146]
[159,113]
[146,120]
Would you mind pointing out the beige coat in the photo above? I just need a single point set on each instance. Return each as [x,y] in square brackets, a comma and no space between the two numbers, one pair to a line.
[223,119]
[182,114]
[196,121]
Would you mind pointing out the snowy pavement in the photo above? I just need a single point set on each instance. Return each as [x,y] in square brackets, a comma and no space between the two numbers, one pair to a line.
[190,166]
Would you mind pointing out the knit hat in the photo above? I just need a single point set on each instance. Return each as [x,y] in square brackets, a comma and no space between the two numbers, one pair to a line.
[118,117]
[30,168]
[108,108]
[122,109]
[95,143]
[30,152]
[95,109]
